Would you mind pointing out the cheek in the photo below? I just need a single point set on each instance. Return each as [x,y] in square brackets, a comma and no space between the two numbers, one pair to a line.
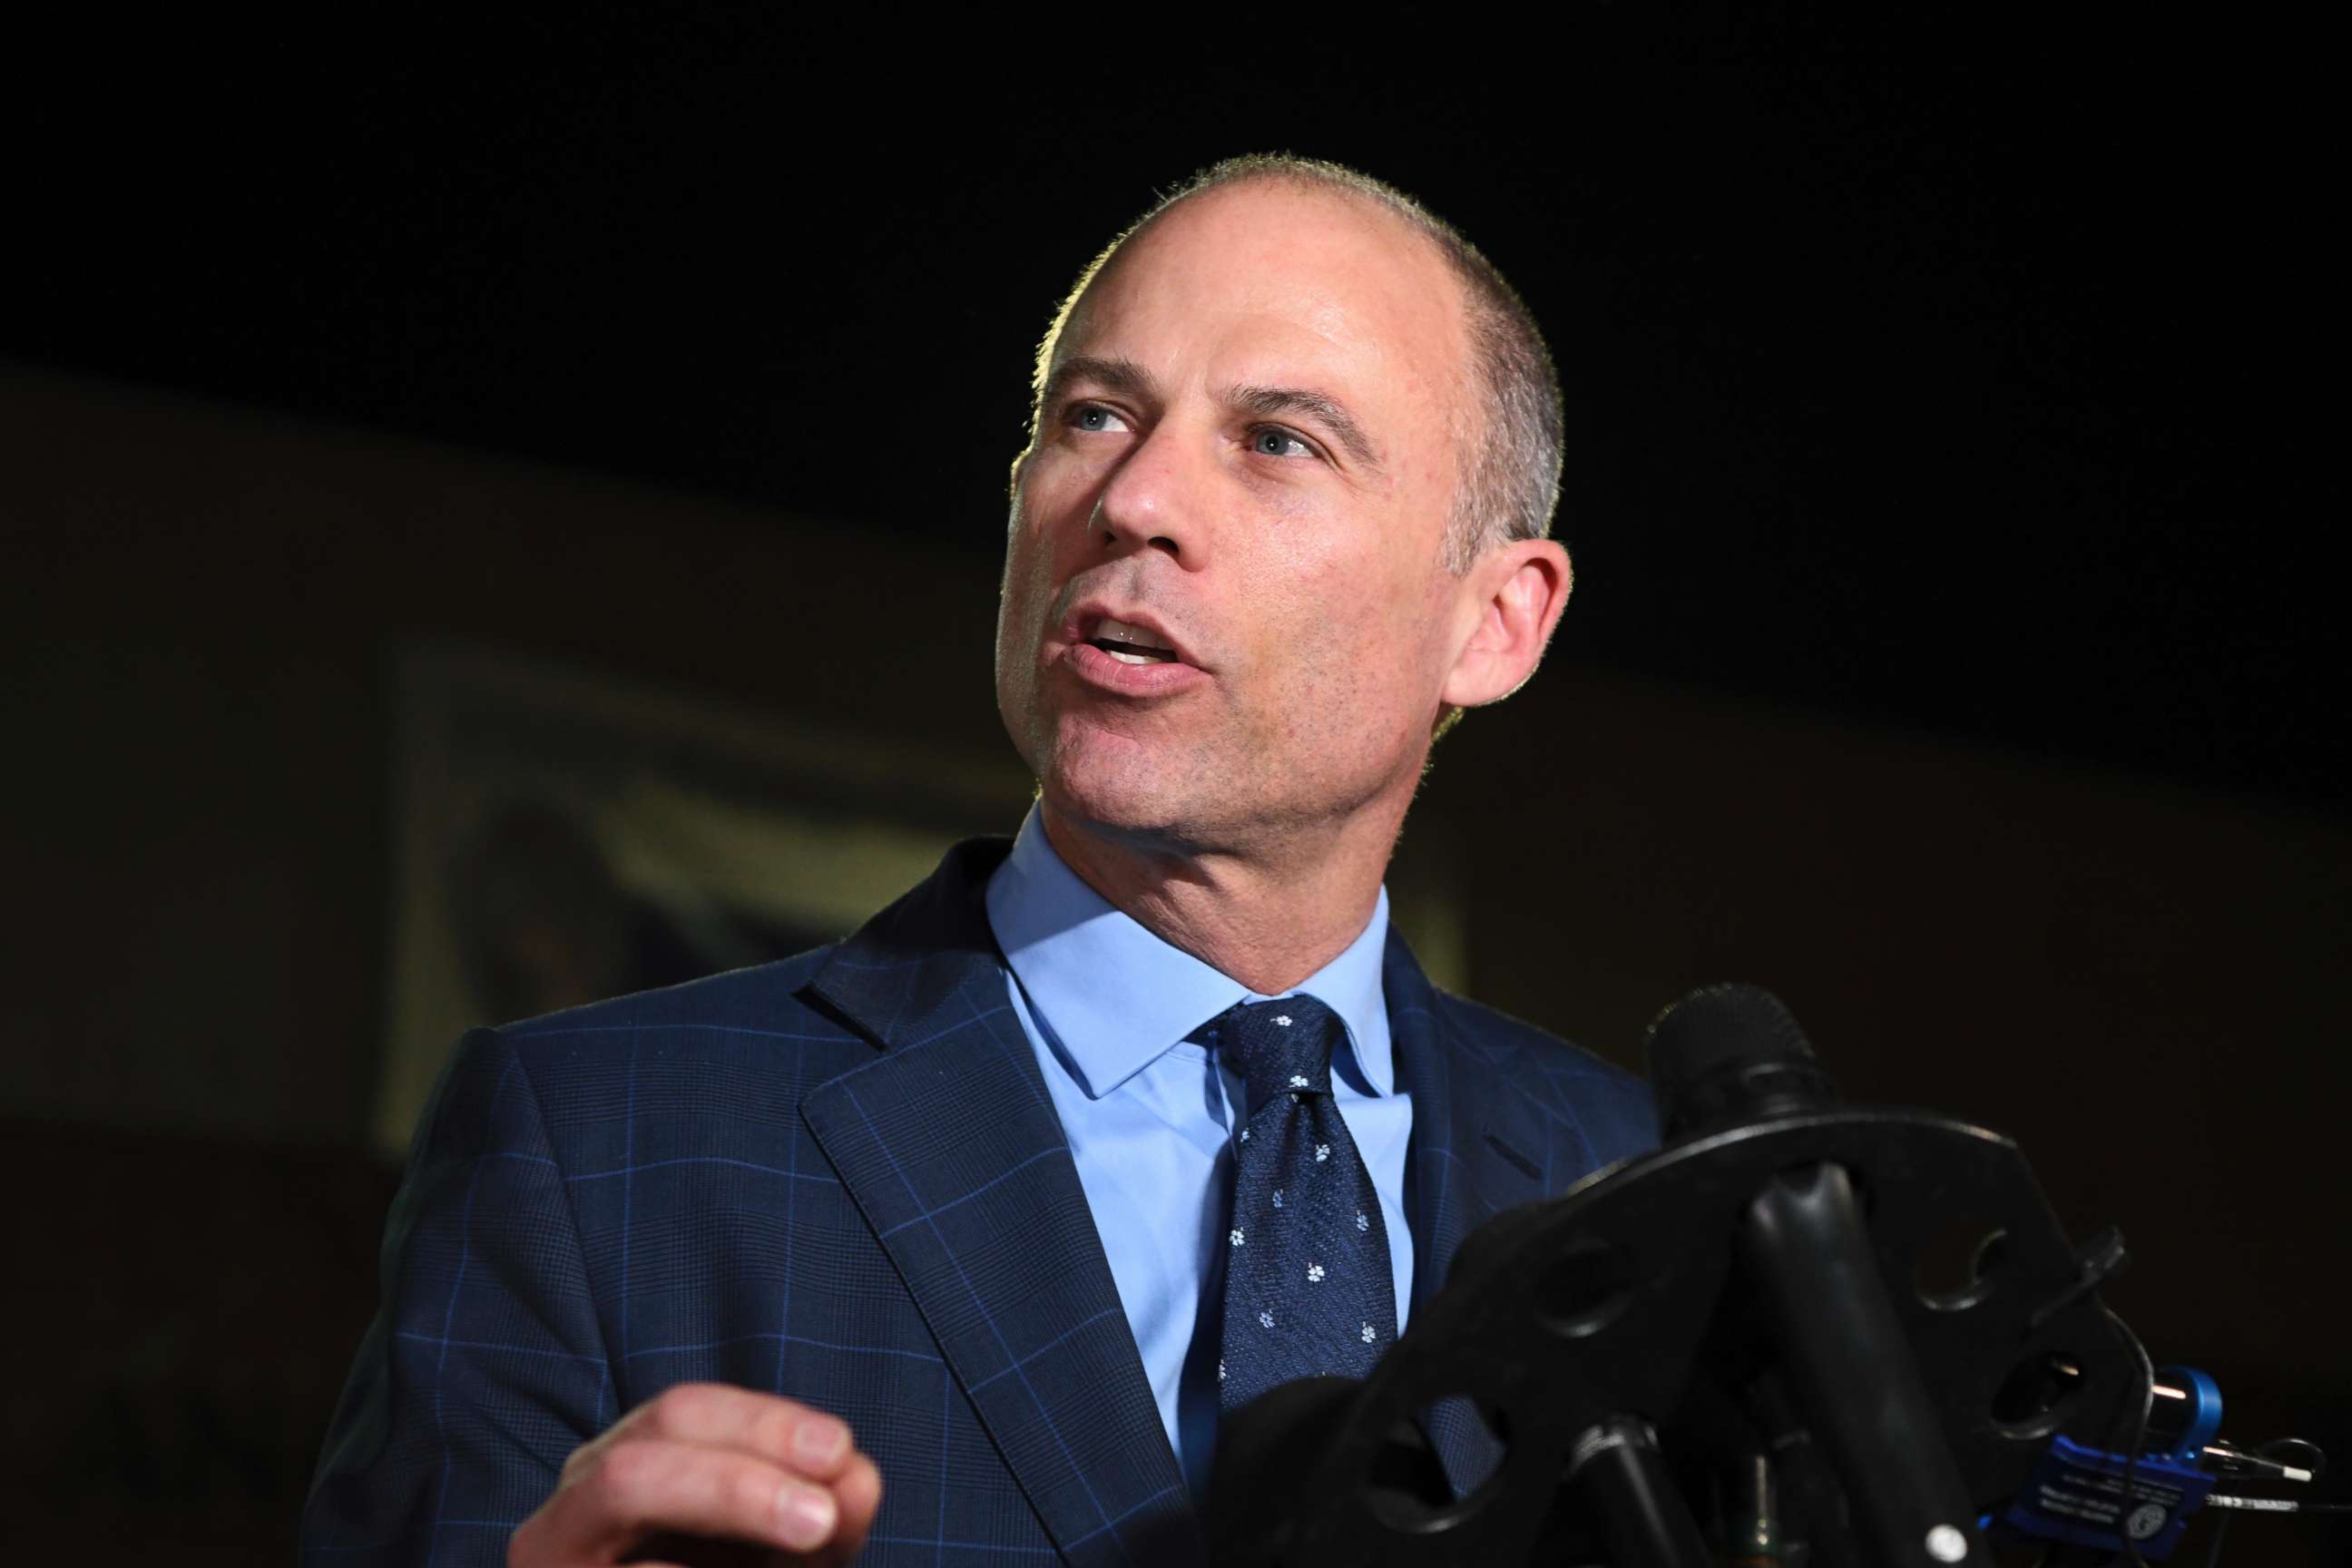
[1040,532]
[1056,483]
[1029,536]
[1360,659]
[1019,594]
[1345,658]
[1048,518]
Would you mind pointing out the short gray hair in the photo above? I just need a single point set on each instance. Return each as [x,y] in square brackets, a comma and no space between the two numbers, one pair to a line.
[1508,446]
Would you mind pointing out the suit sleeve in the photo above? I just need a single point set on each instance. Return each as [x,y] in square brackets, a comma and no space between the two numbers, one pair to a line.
[485,1367]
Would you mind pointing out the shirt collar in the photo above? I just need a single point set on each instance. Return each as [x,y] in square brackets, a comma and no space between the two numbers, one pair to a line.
[1111,997]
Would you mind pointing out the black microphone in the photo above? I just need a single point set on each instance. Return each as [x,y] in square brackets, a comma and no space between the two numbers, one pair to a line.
[1729,1053]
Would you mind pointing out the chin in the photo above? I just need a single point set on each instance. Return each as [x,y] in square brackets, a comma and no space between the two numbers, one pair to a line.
[1129,799]
[1117,786]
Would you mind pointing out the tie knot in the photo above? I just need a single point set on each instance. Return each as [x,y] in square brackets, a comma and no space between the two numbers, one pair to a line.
[1281,1047]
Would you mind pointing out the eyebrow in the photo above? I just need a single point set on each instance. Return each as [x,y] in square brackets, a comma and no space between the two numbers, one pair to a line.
[1120,375]
[1130,379]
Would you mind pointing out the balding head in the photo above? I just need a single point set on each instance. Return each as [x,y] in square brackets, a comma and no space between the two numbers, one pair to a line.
[1507,422]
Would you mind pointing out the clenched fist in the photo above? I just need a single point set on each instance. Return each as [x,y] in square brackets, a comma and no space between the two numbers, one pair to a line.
[707,1460]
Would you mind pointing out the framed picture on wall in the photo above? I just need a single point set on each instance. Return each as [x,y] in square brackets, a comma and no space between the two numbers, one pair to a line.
[560,836]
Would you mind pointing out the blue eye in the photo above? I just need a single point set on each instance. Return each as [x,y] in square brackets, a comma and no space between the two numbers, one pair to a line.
[1095,419]
[1273,441]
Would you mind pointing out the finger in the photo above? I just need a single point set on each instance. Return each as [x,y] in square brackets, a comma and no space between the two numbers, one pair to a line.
[857,1493]
[645,1484]
[716,1414]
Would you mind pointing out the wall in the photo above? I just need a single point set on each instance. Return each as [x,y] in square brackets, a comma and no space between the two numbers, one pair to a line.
[201,608]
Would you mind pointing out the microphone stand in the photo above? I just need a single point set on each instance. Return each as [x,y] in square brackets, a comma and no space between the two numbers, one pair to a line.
[1750,1287]
[1805,1244]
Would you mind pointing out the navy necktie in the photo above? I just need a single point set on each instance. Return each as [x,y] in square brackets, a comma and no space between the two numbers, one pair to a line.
[1308,1288]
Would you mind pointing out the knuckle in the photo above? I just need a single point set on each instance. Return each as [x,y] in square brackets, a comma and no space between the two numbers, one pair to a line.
[683,1410]
[772,1429]
[755,1492]
[626,1472]
[579,1460]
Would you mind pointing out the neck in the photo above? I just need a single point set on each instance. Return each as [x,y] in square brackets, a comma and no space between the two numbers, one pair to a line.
[1268,921]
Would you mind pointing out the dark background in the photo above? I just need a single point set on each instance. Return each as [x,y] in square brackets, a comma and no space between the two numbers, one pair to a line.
[1954,648]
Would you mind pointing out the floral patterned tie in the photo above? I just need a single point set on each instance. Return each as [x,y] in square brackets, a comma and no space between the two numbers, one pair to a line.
[1308,1283]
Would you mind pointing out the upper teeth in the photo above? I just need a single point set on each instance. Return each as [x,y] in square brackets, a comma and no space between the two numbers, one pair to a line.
[1140,646]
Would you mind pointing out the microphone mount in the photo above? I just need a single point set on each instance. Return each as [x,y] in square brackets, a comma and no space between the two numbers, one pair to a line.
[1753,1287]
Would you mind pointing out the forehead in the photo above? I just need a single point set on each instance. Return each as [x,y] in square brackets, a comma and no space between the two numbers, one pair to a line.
[1266,282]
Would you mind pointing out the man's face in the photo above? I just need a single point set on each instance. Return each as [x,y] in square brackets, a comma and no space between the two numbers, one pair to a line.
[1225,617]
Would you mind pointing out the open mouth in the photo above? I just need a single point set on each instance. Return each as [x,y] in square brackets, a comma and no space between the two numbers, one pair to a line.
[1130,645]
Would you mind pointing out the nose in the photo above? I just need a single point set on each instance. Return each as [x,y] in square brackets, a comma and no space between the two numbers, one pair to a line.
[1154,500]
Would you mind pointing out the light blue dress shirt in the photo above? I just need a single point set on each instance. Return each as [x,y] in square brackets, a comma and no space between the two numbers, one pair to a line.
[1149,1119]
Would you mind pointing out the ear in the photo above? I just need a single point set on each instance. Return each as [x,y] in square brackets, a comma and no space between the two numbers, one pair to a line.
[1516,593]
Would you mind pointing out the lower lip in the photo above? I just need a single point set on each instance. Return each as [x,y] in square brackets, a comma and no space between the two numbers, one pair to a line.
[1098,668]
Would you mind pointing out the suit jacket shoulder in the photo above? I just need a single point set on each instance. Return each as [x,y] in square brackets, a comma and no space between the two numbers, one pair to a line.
[1612,1107]
[836,1178]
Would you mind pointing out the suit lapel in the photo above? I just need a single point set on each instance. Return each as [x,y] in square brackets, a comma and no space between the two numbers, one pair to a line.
[1475,1151]
[949,1147]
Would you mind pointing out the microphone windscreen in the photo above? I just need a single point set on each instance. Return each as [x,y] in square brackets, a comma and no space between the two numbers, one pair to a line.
[1705,1048]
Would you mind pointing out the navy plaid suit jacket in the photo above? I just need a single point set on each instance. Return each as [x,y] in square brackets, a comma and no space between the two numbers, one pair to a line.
[839,1178]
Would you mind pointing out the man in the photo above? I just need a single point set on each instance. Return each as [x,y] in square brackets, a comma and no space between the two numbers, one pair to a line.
[965,1212]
